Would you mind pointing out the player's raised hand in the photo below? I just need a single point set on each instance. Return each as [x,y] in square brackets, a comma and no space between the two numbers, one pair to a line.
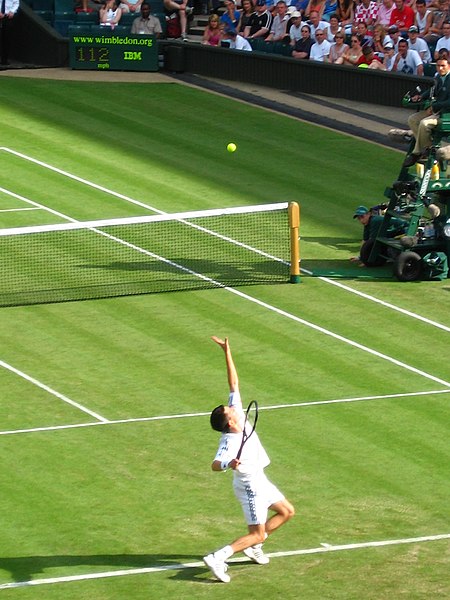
[222,343]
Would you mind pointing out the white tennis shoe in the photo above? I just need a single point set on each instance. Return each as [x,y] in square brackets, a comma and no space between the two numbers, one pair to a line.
[256,554]
[217,567]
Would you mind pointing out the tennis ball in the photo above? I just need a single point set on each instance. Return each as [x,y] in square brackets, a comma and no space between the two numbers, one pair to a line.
[363,66]
[231,147]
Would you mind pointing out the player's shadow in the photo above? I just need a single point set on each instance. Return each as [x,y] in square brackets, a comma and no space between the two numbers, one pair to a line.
[26,568]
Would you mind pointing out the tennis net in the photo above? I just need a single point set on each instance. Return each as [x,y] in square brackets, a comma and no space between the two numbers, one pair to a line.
[141,255]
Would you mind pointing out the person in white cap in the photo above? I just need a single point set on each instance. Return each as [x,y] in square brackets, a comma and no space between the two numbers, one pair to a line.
[295,30]
[418,44]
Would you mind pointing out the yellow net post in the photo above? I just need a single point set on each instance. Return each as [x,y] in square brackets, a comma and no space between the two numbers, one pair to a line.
[294,227]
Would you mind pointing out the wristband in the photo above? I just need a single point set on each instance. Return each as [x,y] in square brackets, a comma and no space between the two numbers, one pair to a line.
[224,465]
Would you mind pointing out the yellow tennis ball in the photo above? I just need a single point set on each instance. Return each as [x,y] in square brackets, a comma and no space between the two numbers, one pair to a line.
[231,147]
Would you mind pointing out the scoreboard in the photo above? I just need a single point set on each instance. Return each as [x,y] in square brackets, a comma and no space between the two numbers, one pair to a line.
[110,52]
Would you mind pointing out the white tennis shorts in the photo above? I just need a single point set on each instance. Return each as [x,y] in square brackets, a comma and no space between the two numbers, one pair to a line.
[255,495]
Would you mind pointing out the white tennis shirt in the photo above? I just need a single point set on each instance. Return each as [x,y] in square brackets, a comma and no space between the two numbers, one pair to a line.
[254,458]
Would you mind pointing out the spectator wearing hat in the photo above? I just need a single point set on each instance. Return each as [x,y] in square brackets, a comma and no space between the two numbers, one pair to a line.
[418,44]
[371,221]
[407,61]
[278,31]
[403,16]
[444,42]
[259,23]
[394,33]
[424,18]
[385,9]
[389,56]
[302,48]
[295,30]
[320,50]
[237,42]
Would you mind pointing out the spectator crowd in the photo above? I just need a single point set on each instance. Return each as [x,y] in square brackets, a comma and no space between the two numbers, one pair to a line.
[392,35]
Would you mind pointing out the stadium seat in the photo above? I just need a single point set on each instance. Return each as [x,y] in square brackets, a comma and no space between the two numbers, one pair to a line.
[64,7]
[46,15]
[88,18]
[43,5]
[78,28]
[162,19]
[118,29]
[429,69]
[62,26]
[128,18]
[157,6]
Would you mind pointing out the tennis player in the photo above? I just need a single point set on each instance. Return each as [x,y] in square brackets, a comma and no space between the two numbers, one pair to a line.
[256,494]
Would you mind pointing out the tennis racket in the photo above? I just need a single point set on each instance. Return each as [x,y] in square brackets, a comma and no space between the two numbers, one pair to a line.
[251,418]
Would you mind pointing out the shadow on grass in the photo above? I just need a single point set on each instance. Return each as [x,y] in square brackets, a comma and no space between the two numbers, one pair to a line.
[345,269]
[24,569]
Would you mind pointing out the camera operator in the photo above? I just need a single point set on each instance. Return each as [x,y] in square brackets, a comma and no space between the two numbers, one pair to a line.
[423,122]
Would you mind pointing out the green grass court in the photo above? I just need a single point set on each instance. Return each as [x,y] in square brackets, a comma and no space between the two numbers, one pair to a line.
[107,491]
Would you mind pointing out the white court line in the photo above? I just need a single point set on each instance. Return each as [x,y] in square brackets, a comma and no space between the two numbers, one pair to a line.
[264,305]
[206,414]
[51,391]
[408,313]
[18,209]
[270,307]
[323,549]
[156,210]
[260,303]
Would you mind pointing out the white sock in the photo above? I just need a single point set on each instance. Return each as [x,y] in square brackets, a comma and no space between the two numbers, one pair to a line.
[224,553]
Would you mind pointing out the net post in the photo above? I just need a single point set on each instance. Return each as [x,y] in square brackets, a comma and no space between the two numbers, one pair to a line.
[294,226]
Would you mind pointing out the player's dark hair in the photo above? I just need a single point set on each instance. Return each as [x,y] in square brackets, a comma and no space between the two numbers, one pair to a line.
[218,419]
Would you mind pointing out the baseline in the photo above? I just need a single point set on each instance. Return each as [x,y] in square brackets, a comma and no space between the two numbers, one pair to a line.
[195,565]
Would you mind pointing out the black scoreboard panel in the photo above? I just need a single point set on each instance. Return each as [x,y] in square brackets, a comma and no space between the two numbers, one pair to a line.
[109,52]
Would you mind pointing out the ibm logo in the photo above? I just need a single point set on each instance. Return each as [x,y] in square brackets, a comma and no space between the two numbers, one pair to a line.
[132,55]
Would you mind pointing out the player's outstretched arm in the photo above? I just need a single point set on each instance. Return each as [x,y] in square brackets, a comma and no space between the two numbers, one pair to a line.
[233,380]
